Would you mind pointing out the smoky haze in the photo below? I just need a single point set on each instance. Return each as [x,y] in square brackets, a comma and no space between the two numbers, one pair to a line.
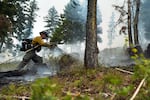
[145,21]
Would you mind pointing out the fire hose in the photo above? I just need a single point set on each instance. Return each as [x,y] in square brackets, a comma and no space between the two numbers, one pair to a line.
[53,43]
[19,55]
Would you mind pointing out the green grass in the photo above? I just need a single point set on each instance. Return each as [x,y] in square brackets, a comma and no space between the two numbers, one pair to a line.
[78,83]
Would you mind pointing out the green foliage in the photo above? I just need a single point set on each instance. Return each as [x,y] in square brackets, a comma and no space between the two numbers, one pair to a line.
[52,20]
[25,18]
[5,22]
[19,17]
[114,80]
[5,27]
[116,84]
[124,91]
[70,97]
[142,68]
[71,28]
[44,89]
[68,31]
[78,83]
[67,61]
[57,35]
[7,8]
[141,71]
[81,84]
[30,19]
[14,90]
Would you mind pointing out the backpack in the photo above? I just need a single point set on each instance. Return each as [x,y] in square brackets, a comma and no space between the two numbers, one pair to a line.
[26,44]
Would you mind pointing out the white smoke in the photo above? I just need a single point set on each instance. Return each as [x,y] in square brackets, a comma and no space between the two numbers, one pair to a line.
[118,56]
[108,57]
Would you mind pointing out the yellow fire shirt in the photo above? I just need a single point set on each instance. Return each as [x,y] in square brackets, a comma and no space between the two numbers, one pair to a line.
[38,40]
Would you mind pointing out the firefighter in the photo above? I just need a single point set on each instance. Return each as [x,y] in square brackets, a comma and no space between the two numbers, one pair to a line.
[30,54]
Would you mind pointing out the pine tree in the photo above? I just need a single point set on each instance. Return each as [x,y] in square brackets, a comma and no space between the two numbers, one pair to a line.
[52,20]
[24,18]
[30,18]
[74,22]
[75,29]
[7,12]
[21,14]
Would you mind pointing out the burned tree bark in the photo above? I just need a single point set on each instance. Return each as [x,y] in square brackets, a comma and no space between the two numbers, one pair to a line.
[91,49]
[136,20]
[129,24]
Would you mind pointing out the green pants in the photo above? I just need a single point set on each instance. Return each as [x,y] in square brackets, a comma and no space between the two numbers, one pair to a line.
[31,55]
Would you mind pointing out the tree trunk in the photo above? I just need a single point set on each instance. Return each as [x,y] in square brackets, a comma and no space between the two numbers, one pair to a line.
[1,45]
[136,19]
[129,24]
[91,49]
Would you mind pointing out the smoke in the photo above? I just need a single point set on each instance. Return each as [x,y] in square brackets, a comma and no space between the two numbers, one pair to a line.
[33,72]
[76,50]
[38,71]
[118,56]
[144,18]
[108,57]
[5,56]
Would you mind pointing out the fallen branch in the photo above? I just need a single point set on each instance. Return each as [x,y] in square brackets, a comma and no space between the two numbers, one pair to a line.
[125,71]
[72,94]
[18,97]
[137,90]
[113,96]
[106,94]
